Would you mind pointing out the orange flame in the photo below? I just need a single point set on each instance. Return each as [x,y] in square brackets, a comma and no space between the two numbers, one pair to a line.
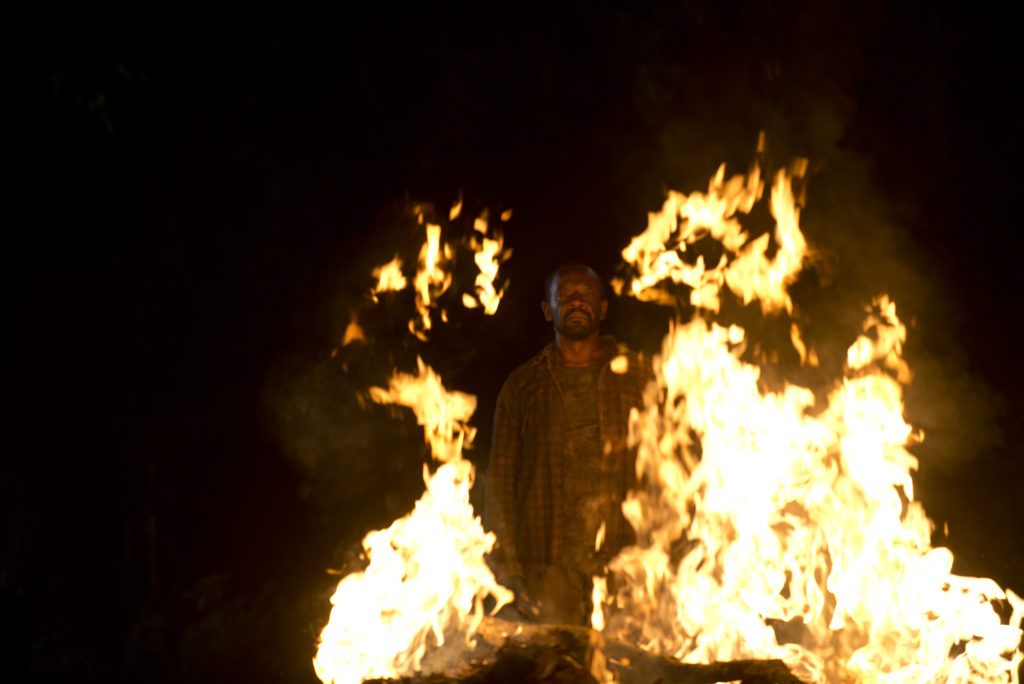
[744,266]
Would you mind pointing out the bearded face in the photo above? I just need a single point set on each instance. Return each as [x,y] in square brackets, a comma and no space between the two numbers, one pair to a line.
[574,304]
[576,325]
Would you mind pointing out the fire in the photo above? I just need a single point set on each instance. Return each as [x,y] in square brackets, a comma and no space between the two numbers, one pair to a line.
[801,536]
[770,524]
[416,606]
[353,332]
[431,280]
[686,219]
[434,270]
[389,277]
[418,603]
[488,255]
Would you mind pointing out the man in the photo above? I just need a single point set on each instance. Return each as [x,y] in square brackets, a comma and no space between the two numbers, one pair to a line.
[560,465]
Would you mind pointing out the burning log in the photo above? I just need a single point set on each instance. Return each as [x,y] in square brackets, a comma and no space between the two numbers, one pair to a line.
[517,652]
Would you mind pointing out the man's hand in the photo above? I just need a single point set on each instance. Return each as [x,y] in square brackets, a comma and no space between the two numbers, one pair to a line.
[523,604]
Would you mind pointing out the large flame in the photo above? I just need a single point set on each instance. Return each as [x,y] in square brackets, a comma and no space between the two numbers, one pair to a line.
[770,524]
[418,603]
[777,524]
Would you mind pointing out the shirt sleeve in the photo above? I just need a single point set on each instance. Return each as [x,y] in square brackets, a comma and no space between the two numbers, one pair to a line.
[502,471]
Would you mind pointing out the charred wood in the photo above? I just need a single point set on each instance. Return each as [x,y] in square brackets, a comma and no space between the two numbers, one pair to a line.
[563,654]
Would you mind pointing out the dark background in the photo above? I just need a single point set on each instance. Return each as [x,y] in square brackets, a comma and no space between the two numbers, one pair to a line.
[196,202]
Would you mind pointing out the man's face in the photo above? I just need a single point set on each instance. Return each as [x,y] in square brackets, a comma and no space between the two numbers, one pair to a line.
[574,304]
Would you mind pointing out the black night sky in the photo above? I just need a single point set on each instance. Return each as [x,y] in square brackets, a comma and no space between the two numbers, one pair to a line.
[198,201]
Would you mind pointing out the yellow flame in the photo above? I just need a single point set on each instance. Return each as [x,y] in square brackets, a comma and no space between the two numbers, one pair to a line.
[802,538]
[418,603]
[619,365]
[597,597]
[888,347]
[433,273]
[389,277]
[489,254]
[431,280]
[444,415]
[660,252]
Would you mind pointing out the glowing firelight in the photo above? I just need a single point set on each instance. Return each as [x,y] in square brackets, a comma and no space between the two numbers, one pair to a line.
[792,514]
[418,603]
[389,277]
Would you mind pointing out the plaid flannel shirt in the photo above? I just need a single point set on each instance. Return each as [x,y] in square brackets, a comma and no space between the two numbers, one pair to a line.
[525,475]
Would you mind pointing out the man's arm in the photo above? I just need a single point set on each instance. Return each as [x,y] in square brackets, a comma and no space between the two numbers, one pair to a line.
[502,472]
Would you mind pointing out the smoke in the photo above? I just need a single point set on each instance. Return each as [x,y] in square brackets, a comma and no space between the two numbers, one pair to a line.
[862,252]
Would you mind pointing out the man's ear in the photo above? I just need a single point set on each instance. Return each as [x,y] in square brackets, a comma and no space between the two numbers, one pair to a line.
[604,308]
[546,308]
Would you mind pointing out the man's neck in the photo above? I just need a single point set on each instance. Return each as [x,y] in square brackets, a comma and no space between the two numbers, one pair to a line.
[580,353]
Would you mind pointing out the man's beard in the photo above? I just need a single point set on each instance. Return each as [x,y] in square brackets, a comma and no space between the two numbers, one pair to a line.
[580,328]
